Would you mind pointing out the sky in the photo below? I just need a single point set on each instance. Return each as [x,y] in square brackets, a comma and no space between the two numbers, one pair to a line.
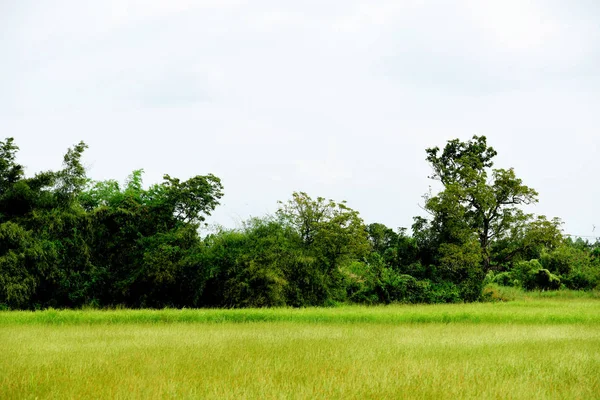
[339,99]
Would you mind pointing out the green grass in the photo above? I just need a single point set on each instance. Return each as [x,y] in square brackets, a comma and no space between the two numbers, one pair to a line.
[537,311]
[494,291]
[539,348]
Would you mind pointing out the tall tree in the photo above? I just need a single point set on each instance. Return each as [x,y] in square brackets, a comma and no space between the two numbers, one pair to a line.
[72,179]
[10,170]
[476,199]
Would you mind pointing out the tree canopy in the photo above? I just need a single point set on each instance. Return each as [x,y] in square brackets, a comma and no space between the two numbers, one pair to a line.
[69,241]
[477,201]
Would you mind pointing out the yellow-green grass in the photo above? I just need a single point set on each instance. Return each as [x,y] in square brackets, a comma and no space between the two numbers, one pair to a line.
[544,348]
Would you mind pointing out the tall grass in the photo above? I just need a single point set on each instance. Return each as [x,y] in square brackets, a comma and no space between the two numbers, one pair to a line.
[533,311]
[525,349]
[300,361]
[495,292]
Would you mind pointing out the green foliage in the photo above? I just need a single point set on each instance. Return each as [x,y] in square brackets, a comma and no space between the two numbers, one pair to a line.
[586,278]
[381,237]
[406,289]
[257,276]
[494,292]
[524,273]
[10,171]
[545,280]
[333,231]
[530,275]
[265,264]
[332,234]
[373,283]
[24,262]
[72,179]
[68,241]
[194,198]
[527,240]
[475,202]
[505,279]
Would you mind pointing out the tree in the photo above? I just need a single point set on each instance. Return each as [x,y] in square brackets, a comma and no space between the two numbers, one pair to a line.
[333,229]
[143,238]
[528,240]
[24,260]
[476,200]
[192,198]
[381,237]
[72,179]
[333,235]
[14,193]
[10,170]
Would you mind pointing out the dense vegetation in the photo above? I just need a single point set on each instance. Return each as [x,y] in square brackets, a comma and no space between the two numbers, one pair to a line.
[67,241]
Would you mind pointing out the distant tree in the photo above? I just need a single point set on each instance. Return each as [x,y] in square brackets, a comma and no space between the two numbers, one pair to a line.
[332,234]
[66,241]
[24,261]
[10,170]
[381,237]
[333,229]
[15,194]
[72,179]
[397,249]
[527,240]
[476,200]
[145,239]
[191,200]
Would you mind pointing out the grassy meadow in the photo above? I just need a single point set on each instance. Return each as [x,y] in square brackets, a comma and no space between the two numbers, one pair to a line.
[540,347]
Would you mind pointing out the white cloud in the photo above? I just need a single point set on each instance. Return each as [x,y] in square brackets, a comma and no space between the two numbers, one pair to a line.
[336,98]
[514,25]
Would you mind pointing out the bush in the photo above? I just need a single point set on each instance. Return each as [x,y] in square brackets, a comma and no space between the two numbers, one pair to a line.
[531,276]
[494,292]
[404,288]
[444,292]
[524,273]
[362,282]
[504,279]
[372,283]
[559,261]
[545,280]
[583,279]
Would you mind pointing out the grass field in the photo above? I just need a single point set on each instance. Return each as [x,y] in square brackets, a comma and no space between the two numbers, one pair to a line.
[528,349]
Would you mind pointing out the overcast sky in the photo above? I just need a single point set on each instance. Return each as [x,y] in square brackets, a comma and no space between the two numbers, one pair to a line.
[335,98]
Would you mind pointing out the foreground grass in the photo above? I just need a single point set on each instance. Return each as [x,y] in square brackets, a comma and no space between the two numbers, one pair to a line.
[543,348]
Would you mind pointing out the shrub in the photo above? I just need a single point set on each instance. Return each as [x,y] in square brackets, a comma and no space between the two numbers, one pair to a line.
[361,281]
[504,279]
[494,292]
[559,261]
[531,276]
[402,288]
[444,292]
[583,279]
[545,280]
[524,272]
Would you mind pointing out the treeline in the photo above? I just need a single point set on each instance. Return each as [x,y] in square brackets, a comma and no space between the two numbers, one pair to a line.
[67,241]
